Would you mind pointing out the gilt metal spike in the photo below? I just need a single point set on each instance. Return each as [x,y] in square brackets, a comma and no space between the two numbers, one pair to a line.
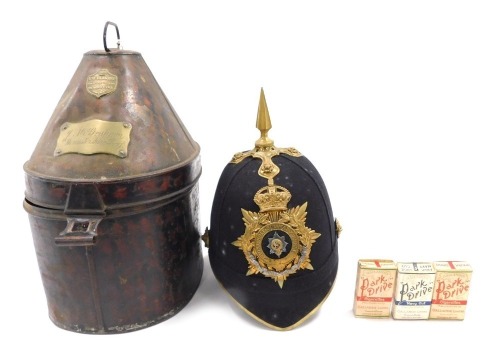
[263,122]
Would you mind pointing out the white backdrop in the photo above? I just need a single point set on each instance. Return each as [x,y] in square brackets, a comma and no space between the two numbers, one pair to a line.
[395,102]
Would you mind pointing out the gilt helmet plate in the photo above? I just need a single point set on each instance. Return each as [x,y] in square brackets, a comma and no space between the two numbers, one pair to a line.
[276,243]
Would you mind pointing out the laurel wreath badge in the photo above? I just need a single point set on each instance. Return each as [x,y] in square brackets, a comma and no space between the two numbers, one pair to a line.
[276,243]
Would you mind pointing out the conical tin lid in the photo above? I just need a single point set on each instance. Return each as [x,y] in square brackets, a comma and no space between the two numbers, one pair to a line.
[113,122]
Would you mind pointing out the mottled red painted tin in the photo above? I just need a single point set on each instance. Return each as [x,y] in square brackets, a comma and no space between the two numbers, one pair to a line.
[112,198]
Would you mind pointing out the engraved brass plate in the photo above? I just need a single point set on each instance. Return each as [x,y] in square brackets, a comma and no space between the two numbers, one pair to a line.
[94,136]
[101,83]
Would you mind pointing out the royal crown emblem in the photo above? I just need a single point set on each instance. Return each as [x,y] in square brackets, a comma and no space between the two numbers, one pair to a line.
[272,198]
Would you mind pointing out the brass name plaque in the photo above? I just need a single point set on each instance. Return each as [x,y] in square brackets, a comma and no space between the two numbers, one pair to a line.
[101,83]
[94,136]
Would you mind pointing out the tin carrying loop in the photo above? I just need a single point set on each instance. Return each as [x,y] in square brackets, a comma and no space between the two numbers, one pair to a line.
[105,33]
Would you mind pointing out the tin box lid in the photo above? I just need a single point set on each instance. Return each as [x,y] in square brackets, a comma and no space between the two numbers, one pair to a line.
[113,122]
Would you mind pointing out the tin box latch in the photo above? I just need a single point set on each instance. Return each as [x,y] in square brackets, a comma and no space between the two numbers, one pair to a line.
[84,210]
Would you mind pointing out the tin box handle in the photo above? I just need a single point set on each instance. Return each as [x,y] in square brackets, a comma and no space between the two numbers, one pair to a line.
[105,34]
[79,232]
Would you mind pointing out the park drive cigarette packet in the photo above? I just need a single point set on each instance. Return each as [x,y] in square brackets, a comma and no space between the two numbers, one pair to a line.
[451,290]
[375,283]
[414,288]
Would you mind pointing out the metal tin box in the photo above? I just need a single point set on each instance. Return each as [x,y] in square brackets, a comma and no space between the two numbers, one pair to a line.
[112,199]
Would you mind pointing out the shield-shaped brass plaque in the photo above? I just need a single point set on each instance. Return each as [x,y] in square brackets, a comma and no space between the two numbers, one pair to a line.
[101,83]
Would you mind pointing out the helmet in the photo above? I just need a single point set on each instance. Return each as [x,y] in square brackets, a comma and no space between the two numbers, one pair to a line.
[273,238]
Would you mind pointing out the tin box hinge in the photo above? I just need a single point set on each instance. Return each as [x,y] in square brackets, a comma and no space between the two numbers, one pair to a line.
[84,210]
